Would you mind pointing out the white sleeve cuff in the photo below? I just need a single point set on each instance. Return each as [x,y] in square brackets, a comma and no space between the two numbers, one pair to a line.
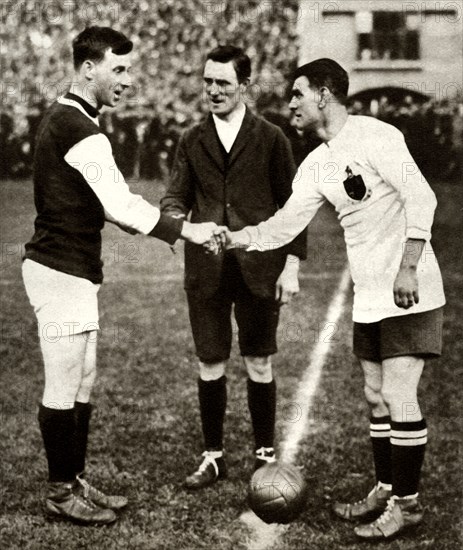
[417,233]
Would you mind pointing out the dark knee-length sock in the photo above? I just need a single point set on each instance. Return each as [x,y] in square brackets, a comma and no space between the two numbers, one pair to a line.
[408,444]
[83,413]
[380,435]
[57,427]
[212,406]
[262,406]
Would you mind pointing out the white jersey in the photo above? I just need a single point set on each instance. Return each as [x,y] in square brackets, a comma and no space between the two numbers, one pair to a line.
[397,204]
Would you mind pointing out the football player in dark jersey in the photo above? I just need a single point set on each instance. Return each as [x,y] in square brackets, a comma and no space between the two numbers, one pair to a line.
[77,186]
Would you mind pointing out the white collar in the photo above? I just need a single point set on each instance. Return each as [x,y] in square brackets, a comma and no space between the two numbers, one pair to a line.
[236,118]
[339,140]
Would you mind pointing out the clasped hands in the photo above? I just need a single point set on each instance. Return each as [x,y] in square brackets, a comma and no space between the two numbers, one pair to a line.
[214,238]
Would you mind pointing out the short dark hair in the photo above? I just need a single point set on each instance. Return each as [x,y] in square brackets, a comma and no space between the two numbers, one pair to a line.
[241,62]
[326,72]
[93,42]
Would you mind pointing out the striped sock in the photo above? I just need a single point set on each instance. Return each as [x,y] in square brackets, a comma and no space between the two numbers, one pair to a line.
[380,432]
[408,443]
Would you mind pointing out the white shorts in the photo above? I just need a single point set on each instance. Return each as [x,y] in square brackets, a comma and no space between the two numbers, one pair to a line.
[64,304]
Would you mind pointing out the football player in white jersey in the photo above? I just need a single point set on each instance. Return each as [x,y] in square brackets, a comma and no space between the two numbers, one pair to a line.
[386,208]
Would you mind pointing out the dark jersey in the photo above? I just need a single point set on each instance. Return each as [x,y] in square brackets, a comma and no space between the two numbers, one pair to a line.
[69,215]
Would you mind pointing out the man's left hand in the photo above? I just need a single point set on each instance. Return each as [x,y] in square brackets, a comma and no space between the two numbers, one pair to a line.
[406,288]
[288,283]
[217,242]
[204,234]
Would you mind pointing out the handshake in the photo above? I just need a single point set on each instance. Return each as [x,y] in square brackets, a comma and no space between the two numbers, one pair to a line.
[214,238]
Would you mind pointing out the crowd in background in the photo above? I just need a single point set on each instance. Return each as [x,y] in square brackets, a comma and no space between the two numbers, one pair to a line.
[171,39]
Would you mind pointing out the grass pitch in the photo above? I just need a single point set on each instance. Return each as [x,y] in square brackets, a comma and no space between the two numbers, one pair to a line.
[146,434]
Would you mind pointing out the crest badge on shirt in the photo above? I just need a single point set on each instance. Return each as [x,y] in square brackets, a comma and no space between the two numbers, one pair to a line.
[355,187]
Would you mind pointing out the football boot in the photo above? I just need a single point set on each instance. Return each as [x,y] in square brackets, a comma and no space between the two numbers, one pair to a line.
[63,503]
[264,455]
[372,505]
[211,469]
[89,492]
[400,514]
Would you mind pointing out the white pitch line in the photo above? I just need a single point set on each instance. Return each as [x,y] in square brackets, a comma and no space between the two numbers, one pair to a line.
[265,536]
[309,383]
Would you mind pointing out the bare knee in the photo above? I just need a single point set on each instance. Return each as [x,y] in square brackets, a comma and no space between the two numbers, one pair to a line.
[259,369]
[64,361]
[402,402]
[396,394]
[212,371]
[89,368]
[375,399]
[61,386]
[400,387]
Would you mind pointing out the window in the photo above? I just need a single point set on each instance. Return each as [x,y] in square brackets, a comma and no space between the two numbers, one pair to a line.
[387,35]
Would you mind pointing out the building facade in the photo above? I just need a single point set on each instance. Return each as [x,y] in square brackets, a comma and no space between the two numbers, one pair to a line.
[410,45]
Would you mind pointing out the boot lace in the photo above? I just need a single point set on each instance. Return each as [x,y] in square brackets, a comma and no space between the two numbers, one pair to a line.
[266,453]
[387,514]
[88,489]
[209,458]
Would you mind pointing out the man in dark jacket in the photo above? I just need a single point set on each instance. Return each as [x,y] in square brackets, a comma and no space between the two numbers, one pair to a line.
[234,169]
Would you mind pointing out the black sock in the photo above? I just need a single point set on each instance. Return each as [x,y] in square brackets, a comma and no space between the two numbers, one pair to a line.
[262,406]
[380,433]
[83,412]
[57,427]
[408,443]
[212,406]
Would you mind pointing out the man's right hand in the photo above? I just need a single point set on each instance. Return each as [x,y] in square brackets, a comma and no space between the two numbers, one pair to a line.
[232,239]
[200,233]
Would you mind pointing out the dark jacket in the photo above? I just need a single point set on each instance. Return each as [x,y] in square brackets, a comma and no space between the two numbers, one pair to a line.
[243,188]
